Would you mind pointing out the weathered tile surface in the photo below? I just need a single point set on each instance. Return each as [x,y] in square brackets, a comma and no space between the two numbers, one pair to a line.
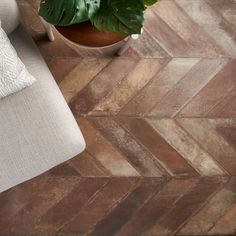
[160,128]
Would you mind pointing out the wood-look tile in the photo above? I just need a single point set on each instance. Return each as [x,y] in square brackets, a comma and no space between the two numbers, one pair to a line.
[141,175]
[207,134]
[207,99]
[226,107]
[167,156]
[137,78]
[86,165]
[114,161]
[69,206]
[146,46]
[185,207]
[226,128]
[140,158]
[81,75]
[212,212]
[226,225]
[187,29]
[226,9]
[14,200]
[160,85]
[167,38]
[58,71]
[55,189]
[101,205]
[190,150]
[182,93]
[101,85]
[213,23]
[124,211]
[63,170]
[154,209]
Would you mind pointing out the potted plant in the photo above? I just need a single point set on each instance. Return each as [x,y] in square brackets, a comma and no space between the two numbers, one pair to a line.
[95,24]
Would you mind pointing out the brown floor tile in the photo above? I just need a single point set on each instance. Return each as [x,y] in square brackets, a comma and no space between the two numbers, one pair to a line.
[159,124]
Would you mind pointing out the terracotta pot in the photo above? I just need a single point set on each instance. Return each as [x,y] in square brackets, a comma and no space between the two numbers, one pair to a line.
[87,35]
[86,40]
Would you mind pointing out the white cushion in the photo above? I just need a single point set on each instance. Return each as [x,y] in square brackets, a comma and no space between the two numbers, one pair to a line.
[37,128]
[13,74]
[9,15]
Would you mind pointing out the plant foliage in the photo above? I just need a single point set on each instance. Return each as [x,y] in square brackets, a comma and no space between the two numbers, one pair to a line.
[124,16]
[121,16]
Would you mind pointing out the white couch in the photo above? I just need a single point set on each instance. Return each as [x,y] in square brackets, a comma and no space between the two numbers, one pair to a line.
[37,129]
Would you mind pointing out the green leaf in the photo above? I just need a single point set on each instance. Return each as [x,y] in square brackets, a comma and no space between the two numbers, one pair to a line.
[120,16]
[149,2]
[67,12]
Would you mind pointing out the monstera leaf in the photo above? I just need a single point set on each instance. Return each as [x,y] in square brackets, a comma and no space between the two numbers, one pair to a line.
[149,2]
[122,16]
[67,12]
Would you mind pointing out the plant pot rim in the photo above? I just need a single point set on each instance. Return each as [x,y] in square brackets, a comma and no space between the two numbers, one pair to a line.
[89,47]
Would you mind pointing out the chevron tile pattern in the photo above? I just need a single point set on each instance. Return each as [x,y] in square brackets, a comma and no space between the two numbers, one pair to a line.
[158,88]
[160,127]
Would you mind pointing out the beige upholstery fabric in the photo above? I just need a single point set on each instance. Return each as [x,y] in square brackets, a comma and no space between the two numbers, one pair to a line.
[9,15]
[37,129]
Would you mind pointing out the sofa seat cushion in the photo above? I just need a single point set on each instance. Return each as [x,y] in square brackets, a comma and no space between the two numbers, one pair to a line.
[37,128]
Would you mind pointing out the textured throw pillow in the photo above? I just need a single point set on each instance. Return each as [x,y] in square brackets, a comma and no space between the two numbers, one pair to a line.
[13,74]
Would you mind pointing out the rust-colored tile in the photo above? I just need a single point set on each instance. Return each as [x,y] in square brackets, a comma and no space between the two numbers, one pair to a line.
[55,189]
[209,134]
[156,207]
[60,67]
[211,95]
[148,47]
[182,93]
[63,170]
[213,23]
[226,9]
[136,79]
[15,199]
[226,225]
[167,156]
[212,212]
[185,207]
[226,128]
[160,85]
[124,211]
[193,35]
[69,206]
[167,38]
[81,76]
[101,205]
[226,108]
[198,39]
[140,158]
[104,152]
[87,166]
[188,148]
[101,85]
